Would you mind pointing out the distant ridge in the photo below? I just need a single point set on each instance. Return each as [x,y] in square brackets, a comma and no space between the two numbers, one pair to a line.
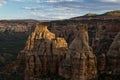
[107,15]
[90,14]
[112,13]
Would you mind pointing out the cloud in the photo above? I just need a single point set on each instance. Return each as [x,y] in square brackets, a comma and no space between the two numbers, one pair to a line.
[54,1]
[52,9]
[21,0]
[2,2]
[84,6]
[41,16]
[51,13]
[18,0]
[33,8]
[65,10]
[47,1]
[114,1]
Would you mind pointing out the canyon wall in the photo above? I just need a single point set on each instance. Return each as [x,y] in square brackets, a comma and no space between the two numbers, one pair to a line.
[113,57]
[47,54]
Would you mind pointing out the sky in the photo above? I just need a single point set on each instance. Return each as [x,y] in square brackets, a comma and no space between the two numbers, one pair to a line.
[54,9]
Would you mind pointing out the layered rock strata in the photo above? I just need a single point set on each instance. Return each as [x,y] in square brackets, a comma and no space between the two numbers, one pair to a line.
[46,54]
[80,64]
[43,53]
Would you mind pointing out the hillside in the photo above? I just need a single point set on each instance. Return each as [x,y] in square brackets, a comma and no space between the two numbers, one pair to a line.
[90,14]
[104,16]
[112,13]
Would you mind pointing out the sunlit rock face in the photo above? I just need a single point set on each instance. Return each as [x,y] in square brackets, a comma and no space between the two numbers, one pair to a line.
[43,53]
[40,33]
[113,57]
[80,63]
[47,54]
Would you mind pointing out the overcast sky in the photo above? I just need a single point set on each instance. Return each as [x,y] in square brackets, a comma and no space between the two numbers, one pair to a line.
[54,9]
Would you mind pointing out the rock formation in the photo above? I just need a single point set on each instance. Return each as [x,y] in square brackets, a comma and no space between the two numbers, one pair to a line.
[80,64]
[43,53]
[113,57]
[46,54]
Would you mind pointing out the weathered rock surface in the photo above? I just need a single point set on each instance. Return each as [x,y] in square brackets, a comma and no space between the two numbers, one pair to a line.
[80,64]
[46,54]
[43,53]
[101,63]
[113,57]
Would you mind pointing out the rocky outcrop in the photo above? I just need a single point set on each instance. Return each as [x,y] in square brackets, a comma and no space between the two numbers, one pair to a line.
[113,57]
[80,64]
[43,53]
[47,54]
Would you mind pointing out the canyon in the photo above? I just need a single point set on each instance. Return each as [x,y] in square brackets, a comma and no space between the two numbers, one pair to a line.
[74,49]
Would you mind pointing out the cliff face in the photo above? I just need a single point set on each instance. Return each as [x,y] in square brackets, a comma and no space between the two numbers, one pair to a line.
[113,57]
[13,35]
[38,34]
[45,54]
[81,62]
